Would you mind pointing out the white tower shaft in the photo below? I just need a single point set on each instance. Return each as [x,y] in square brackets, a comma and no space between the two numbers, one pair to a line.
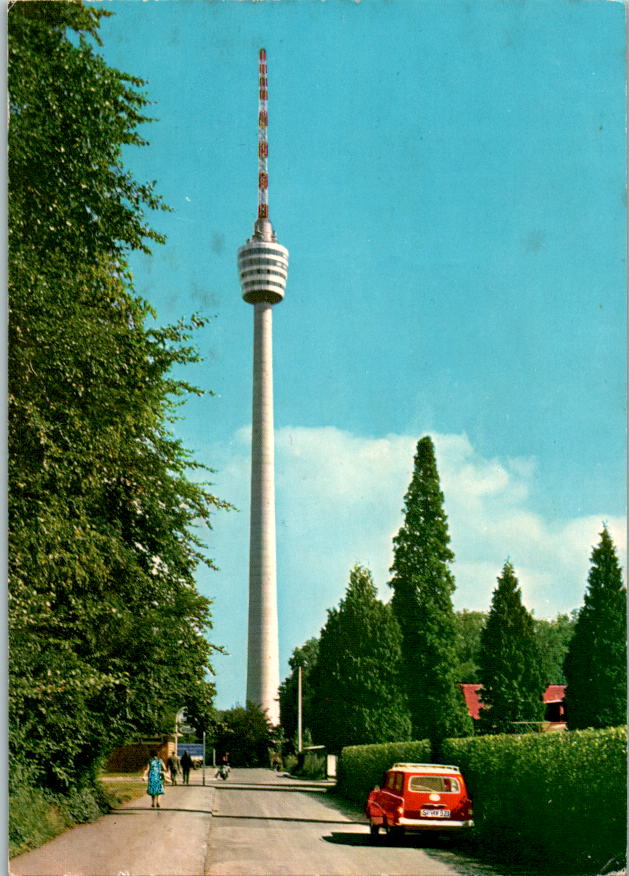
[263,653]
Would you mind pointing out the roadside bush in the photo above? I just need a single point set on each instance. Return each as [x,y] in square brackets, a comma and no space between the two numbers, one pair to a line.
[532,793]
[290,763]
[37,816]
[314,766]
[360,767]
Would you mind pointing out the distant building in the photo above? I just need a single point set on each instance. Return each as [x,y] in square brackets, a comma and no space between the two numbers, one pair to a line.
[554,716]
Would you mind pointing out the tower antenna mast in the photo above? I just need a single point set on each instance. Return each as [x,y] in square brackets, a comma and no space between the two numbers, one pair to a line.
[263,143]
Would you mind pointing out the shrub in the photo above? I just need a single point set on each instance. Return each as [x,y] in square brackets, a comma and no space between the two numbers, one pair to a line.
[37,816]
[290,763]
[314,766]
[532,792]
[360,767]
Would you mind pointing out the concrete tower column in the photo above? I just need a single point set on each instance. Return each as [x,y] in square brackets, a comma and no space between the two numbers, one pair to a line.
[263,269]
[263,653]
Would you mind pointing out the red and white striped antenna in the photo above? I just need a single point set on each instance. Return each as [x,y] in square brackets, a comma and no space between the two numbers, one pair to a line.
[263,143]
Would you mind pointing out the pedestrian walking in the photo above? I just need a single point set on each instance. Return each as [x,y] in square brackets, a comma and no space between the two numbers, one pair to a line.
[155,775]
[186,763]
[173,763]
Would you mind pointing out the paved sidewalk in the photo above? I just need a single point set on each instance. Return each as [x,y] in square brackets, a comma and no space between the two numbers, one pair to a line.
[133,840]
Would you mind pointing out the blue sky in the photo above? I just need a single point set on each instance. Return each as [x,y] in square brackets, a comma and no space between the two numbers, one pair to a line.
[449,178]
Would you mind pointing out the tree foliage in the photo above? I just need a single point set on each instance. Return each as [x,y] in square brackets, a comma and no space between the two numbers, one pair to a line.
[468,625]
[422,603]
[245,734]
[306,658]
[596,662]
[356,687]
[552,635]
[107,632]
[510,665]
[553,638]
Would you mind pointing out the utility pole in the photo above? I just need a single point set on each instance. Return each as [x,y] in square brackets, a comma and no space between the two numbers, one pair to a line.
[299,709]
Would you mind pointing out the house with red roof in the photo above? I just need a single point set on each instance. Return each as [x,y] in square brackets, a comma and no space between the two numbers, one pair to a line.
[555,713]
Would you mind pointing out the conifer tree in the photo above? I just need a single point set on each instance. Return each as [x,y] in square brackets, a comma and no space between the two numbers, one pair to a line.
[422,603]
[510,666]
[596,662]
[357,697]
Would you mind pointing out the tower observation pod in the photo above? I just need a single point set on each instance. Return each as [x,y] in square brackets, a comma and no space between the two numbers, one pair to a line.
[263,269]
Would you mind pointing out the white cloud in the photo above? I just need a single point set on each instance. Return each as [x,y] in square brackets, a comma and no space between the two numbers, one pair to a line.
[339,501]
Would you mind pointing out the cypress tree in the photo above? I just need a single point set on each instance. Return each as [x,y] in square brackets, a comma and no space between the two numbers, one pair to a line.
[510,666]
[356,688]
[422,603]
[596,663]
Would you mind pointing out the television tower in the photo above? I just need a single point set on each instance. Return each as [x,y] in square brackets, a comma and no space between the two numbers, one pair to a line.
[263,268]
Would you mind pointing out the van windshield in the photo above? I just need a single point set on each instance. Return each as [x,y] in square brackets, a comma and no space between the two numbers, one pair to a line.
[440,784]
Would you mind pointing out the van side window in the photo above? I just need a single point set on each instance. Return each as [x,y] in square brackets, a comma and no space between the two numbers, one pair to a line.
[399,781]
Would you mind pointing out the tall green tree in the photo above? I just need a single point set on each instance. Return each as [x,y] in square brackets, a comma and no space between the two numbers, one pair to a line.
[356,686]
[304,658]
[510,666]
[423,585]
[596,662]
[108,635]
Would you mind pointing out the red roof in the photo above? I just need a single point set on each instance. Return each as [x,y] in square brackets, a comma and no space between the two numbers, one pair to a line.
[554,693]
[472,698]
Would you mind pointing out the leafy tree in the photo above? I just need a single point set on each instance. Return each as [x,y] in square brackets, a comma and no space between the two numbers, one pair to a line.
[553,638]
[355,682]
[246,734]
[468,630]
[107,632]
[422,603]
[510,666]
[596,662]
[306,658]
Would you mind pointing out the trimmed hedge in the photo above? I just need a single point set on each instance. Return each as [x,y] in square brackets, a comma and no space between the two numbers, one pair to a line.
[556,800]
[553,797]
[360,767]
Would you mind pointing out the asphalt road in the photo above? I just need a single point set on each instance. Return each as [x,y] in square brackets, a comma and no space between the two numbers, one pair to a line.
[257,823]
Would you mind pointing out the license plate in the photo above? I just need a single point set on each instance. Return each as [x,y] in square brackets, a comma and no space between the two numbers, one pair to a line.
[435,813]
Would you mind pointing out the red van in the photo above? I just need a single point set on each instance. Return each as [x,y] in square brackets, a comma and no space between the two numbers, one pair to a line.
[419,796]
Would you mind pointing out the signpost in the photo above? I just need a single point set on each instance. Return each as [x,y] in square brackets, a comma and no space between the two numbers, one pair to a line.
[203,757]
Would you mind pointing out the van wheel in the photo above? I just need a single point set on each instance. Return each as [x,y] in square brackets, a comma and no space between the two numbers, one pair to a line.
[373,832]
[395,834]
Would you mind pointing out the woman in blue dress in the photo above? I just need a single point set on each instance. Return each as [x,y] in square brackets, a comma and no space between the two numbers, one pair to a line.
[155,772]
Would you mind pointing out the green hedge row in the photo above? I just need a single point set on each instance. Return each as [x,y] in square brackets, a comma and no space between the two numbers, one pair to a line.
[558,800]
[554,797]
[360,767]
